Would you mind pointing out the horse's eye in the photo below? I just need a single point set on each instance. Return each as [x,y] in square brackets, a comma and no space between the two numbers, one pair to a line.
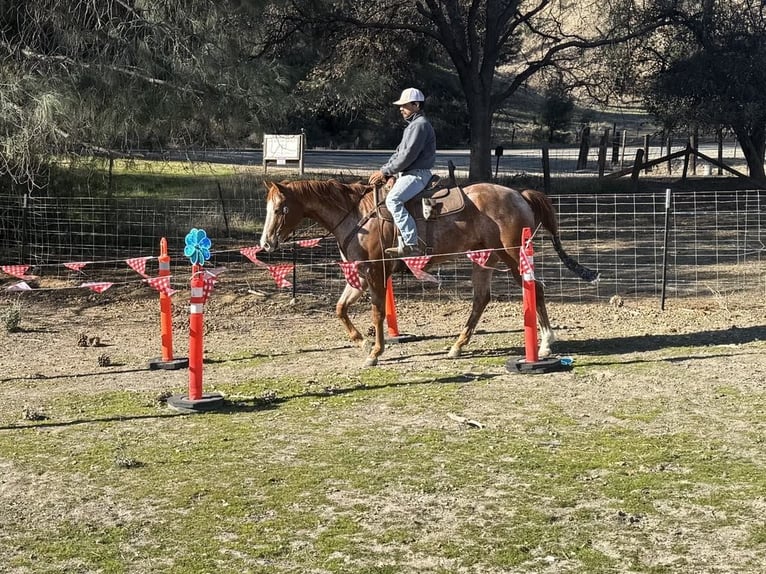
[285,209]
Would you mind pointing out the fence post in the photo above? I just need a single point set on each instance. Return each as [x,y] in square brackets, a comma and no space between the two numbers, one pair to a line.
[665,249]
[669,147]
[615,146]
[582,158]
[546,170]
[602,153]
[637,168]
[646,153]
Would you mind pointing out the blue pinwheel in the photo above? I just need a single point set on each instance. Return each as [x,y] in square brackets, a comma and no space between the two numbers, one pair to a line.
[197,246]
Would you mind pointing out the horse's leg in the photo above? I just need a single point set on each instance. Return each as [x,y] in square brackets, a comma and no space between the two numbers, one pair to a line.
[349,296]
[377,284]
[547,336]
[481,279]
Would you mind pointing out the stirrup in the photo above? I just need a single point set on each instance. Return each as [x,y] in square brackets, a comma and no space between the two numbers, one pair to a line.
[404,251]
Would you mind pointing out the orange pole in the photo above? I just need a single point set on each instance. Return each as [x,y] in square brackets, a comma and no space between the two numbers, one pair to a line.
[529,298]
[196,309]
[393,325]
[166,317]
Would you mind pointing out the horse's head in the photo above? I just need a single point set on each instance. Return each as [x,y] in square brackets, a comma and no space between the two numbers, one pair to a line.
[283,214]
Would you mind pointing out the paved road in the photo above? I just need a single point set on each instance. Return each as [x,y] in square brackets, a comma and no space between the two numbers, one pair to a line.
[358,162]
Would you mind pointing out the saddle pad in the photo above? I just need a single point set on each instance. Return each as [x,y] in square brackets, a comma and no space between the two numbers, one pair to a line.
[444,201]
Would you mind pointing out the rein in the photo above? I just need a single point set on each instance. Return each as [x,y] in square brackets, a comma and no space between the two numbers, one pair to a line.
[360,223]
[347,240]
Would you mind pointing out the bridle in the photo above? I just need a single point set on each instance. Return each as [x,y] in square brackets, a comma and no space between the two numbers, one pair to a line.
[344,244]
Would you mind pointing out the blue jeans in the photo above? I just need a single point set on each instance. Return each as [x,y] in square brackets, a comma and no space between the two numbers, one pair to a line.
[407,186]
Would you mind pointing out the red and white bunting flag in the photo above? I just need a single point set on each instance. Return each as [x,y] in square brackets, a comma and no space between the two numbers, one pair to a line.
[250,253]
[278,273]
[351,273]
[209,280]
[526,266]
[98,287]
[161,284]
[76,265]
[480,256]
[16,270]
[309,242]
[20,286]
[138,264]
[416,265]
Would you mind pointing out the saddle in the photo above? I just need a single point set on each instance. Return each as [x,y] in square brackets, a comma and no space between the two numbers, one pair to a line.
[433,202]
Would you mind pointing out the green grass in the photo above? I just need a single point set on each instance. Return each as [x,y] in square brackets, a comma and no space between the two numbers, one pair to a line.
[364,477]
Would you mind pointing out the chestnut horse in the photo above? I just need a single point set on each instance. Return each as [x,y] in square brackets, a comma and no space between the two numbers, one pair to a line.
[493,218]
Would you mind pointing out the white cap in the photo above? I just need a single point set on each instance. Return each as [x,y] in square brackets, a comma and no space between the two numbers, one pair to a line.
[410,95]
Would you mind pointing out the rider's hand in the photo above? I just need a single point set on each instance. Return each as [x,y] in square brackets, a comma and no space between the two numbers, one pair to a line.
[377,177]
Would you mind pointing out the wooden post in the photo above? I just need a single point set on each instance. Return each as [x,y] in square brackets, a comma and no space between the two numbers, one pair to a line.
[622,155]
[582,158]
[645,155]
[695,146]
[615,147]
[602,153]
[719,136]
[546,170]
[668,148]
[637,168]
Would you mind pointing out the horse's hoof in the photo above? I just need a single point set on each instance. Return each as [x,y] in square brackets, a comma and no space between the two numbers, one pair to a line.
[371,362]
[454,353]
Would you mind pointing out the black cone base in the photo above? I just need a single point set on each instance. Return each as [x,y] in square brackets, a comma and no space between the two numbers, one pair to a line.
[208,402]
[171,365]
[548,365]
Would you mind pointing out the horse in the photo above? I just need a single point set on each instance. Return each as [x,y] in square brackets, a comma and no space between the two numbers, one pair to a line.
[492,218]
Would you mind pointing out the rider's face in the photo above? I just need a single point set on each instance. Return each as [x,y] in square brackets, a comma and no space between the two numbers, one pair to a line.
[408,109]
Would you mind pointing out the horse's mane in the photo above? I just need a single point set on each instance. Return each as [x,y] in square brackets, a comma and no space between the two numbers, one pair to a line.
[344,195]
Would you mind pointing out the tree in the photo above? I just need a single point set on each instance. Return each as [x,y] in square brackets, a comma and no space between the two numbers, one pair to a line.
[557,109]
[118,74]
[713,74]
[494,46]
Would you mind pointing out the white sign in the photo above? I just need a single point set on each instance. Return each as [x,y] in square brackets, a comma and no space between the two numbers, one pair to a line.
[284,147]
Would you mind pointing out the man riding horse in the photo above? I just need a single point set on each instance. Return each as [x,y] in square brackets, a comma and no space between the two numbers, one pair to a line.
[412,161]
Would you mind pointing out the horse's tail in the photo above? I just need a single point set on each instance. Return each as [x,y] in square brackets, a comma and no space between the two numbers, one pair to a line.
[545,215]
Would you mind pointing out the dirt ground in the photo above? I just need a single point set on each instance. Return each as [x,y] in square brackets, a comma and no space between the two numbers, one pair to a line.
[303,337]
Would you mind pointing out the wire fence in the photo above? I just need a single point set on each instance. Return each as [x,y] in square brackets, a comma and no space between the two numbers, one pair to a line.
[715,244]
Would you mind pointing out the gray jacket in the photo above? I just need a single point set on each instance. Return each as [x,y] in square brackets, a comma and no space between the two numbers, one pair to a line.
[417,150]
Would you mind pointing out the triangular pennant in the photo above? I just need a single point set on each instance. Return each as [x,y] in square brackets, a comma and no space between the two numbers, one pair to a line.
[351,273]
[98,287]
[416,265]
[76,265]
[278,273]
[20,286]
[161,284]
[138,264]
[210,278]
[250,253]
[16,270]
[479,256]
[526,266]
[309,242]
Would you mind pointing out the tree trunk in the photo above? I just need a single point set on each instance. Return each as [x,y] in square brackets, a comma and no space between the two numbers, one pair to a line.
[754,147]
[480,114]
